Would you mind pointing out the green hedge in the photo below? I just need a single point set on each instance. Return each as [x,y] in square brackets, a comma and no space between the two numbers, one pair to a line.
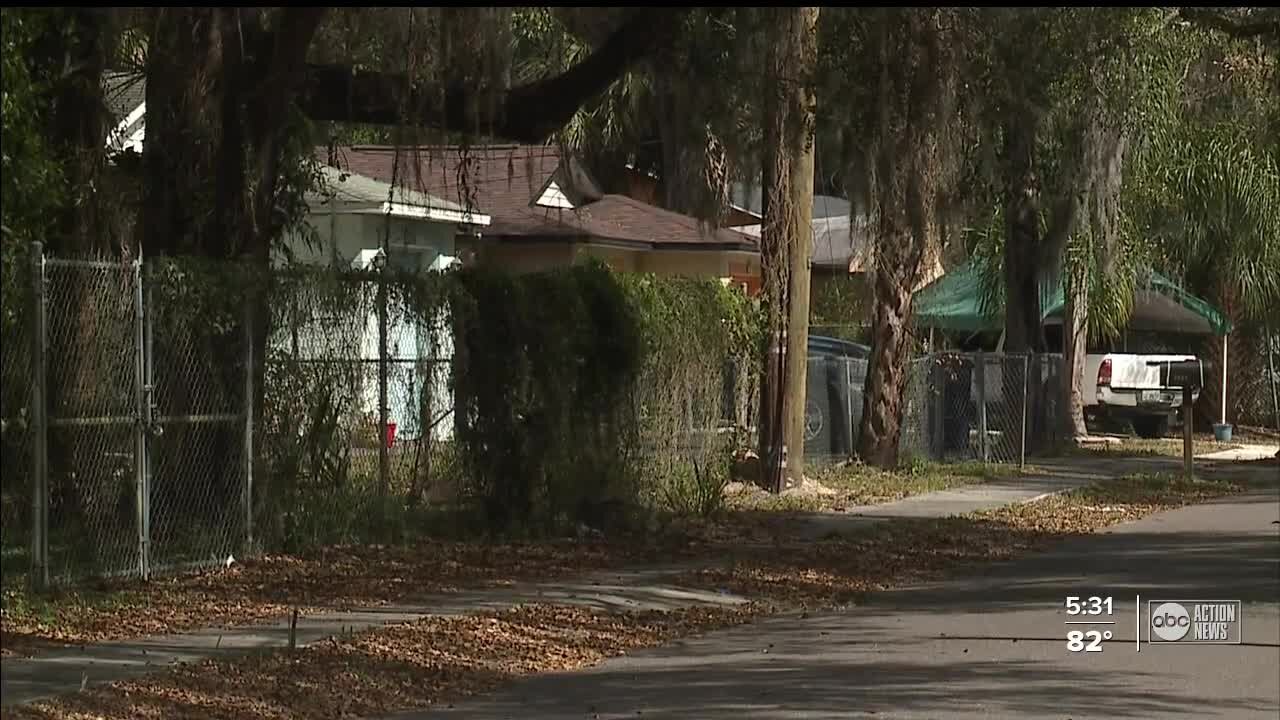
[542,368]
[578,388]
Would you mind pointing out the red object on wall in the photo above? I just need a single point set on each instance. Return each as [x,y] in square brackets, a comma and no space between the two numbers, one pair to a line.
[391,434]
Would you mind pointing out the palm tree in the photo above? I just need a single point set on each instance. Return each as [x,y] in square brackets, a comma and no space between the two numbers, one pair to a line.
[1221,228]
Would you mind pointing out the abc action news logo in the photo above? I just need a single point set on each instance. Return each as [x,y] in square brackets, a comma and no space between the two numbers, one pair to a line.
[1203,622]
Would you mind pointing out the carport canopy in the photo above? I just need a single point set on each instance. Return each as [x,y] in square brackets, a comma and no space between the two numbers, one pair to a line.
[955,302]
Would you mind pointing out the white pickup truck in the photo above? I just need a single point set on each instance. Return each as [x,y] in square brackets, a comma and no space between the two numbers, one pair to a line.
[1122,386]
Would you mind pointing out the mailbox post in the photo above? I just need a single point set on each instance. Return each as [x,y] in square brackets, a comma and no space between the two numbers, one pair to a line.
[1189,375]
[1187,442]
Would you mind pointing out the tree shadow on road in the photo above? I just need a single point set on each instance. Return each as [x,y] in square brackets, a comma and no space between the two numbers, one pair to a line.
[732,677]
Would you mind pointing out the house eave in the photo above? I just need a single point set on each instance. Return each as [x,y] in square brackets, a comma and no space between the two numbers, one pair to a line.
[401,210]
[621,243]
[431,213]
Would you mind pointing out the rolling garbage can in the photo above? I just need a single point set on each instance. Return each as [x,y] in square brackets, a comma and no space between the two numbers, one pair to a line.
[833,395]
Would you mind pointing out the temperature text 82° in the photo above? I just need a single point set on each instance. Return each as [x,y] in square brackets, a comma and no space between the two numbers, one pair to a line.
[1088,641]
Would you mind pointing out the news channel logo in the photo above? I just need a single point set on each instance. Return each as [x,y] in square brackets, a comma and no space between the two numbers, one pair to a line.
[1194,622]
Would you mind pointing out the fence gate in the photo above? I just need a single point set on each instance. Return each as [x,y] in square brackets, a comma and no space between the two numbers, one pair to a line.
[88,485]
[199,445]
[140,428]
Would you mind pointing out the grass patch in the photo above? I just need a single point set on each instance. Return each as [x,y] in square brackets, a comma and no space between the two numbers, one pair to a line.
[1156,447]
[835,571]
[839,488]
[864,485]
[1097,506]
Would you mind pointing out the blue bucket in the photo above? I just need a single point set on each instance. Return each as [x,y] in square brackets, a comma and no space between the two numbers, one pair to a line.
[1222,433]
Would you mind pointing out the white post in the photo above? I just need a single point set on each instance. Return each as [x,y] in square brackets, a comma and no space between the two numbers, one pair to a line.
[1224,379]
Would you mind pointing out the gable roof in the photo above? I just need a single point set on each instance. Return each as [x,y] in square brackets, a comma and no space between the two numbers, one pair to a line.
[500,180]
[348,192]
[618,217]
[525,190]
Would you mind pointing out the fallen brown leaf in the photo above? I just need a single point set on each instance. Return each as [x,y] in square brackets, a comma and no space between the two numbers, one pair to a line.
[394,668]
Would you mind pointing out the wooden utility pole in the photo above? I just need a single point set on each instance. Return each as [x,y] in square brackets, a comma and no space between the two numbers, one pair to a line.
[786,237]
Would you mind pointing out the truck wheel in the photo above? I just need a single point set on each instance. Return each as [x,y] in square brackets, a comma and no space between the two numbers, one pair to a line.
[1151,426]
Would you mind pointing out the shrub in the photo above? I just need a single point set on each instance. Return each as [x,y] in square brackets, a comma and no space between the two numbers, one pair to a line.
[543,367]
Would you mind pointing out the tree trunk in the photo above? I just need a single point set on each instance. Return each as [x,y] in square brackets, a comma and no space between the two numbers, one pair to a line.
[785,240]
[219,93]
[680,184]
[1075,338]
[886,380]
[180,155]
[80,302]
[800,246]
[1022,235]
[78,127]
[916,82]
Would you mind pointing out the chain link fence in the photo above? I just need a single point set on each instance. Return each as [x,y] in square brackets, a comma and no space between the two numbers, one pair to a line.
[956,407]
[131,443]
[197,375]
[90,369]
[125,421]
[166,415]
[342,346]
[1257,395]
[16,422]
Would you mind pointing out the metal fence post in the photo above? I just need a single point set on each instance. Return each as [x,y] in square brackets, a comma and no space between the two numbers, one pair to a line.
[246,498]
[1026,372]
[384,459]
[848,401]
[980,375]
[149,427]
[936,397]
[1271,367]
[141,427]
[39,424]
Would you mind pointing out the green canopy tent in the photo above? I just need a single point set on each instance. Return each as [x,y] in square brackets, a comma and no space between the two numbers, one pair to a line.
[954,302]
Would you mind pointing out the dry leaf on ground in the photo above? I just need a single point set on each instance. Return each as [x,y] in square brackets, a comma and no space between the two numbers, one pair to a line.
[395,668]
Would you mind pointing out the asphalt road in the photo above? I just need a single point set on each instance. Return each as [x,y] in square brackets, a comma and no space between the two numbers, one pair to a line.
[991,645]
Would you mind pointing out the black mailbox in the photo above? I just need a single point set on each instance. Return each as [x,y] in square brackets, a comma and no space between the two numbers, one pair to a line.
[1187,374]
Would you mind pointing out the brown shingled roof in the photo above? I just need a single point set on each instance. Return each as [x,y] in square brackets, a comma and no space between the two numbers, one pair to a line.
[503,181]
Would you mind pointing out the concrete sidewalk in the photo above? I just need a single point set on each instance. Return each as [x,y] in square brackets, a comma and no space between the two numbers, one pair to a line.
[1244,452]
[69,670]
[1045,478]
